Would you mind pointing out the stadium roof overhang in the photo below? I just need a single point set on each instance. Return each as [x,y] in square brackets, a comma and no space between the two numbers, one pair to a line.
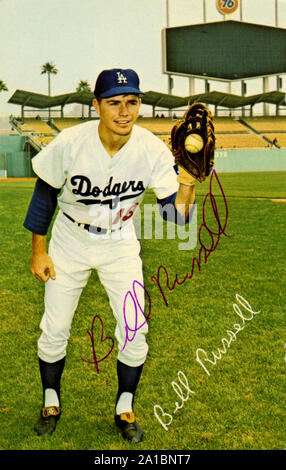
[36,100]
[228,100]
[153,98]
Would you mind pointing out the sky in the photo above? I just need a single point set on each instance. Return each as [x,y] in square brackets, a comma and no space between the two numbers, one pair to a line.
[82,37]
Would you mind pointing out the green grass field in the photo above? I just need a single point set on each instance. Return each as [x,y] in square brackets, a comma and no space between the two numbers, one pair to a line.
[240,404]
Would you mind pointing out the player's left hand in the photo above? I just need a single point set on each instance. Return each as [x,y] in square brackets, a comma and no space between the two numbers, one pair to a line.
[198,121]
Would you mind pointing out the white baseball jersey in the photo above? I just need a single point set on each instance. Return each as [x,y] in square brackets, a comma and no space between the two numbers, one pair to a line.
[101,190]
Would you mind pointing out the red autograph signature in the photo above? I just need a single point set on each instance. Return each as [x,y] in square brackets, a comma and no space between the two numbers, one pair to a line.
[102,339]
[204,252]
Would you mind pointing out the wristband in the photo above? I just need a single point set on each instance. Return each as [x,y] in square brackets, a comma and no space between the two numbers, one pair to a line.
[185,177]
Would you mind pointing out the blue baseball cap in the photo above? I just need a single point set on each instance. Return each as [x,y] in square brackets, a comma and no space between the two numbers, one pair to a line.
[117,82]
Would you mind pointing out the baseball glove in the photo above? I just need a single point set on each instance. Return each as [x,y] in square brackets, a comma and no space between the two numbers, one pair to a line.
[196,120]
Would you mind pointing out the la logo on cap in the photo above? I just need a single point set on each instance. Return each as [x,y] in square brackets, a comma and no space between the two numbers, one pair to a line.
[121,78]
[114,82]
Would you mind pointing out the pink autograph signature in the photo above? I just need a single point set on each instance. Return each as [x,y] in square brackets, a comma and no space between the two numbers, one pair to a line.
[136,303]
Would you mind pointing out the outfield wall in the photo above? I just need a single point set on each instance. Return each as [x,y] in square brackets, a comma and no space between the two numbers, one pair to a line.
[236,160]
[14,160]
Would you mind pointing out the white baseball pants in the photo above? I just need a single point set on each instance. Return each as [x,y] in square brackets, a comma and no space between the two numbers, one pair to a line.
[75,253]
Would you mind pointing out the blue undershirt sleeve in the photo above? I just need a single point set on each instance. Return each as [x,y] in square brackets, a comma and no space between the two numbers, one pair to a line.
[169,212]
[42,208]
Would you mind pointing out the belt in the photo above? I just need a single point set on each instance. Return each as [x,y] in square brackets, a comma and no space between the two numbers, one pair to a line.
[91,228]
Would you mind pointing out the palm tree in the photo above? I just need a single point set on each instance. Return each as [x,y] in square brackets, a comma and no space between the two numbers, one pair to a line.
[3,86]
[50,69]
[83,86]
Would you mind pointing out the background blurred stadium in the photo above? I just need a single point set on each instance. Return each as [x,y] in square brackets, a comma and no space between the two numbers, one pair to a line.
[244,135]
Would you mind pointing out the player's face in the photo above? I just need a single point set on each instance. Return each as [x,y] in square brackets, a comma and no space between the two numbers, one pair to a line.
[118,114]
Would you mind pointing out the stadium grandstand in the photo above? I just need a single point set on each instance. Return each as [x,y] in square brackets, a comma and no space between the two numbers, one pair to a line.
[240,129]
[231,132]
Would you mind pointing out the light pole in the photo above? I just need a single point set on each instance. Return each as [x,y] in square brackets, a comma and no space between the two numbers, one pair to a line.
[170,79]
[204,11]
[278,80]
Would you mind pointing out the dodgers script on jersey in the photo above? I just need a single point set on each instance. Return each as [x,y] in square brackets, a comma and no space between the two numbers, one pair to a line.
[101,190]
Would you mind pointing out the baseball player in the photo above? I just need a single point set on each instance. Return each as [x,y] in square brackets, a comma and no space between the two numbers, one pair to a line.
[97,172]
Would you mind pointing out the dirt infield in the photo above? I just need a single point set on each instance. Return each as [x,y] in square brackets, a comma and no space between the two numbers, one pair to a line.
[17,179]
[278,200]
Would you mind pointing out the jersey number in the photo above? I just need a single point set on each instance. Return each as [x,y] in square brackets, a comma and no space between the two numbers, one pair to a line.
[129,212]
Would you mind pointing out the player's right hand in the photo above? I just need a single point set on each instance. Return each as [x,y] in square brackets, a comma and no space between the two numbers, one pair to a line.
[42,267]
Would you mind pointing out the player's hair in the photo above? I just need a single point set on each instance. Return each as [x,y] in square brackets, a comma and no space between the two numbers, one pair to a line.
[98,98]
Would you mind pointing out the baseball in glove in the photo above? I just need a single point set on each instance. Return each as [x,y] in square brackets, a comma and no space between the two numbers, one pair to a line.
[194,132]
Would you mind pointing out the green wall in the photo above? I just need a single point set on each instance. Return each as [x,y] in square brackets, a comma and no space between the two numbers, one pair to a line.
[236,160]
[17,161]
[13,157]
